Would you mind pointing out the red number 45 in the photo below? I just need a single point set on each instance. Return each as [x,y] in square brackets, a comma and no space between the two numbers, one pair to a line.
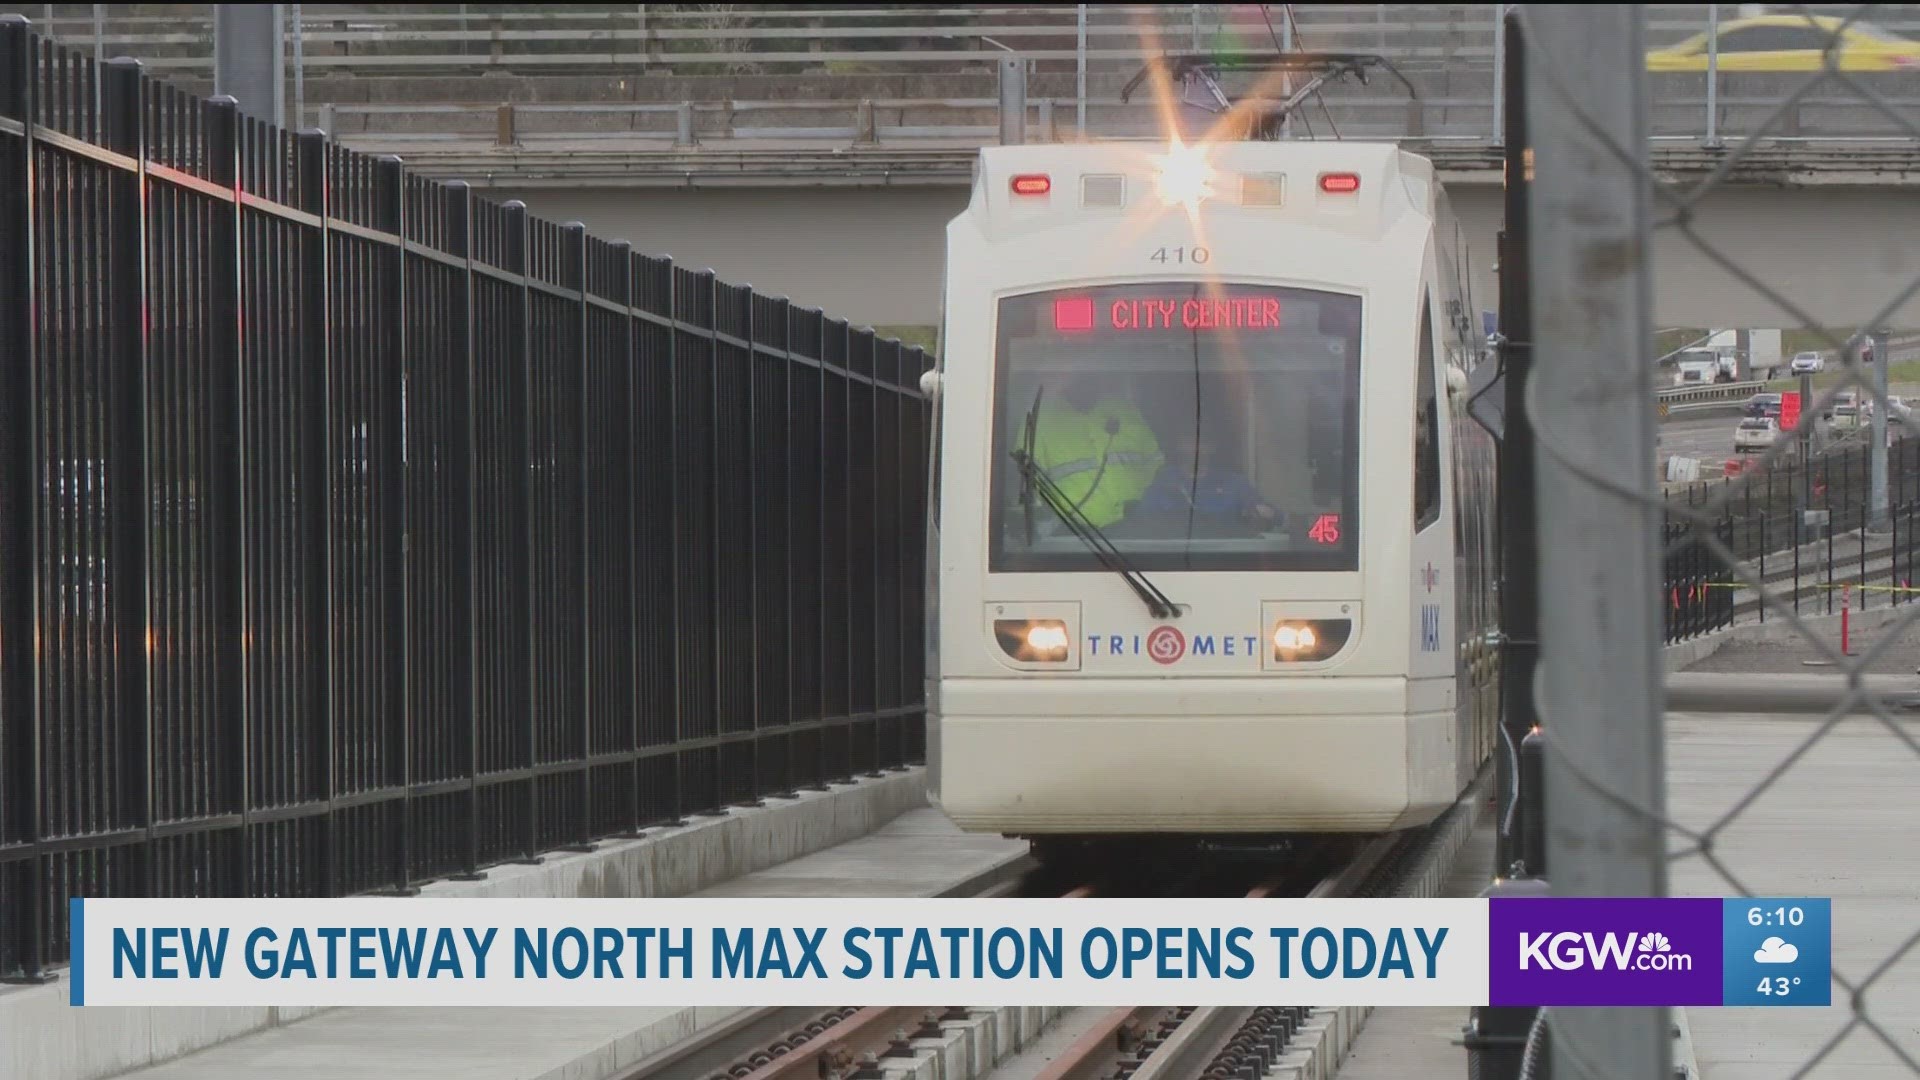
[1326,530]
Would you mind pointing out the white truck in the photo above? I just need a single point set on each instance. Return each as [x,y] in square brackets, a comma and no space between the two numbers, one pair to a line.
[1698,367]
[1764,356]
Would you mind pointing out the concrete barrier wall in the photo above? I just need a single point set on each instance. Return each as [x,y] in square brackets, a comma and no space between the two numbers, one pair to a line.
[43,1038]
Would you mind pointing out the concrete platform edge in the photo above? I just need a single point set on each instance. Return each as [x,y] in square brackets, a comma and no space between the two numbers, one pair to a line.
[41,1036]
[1680,655]
[1686,1063]
[1329,1034]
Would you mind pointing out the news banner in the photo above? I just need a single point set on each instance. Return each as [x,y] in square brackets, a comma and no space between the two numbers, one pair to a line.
[1531,951]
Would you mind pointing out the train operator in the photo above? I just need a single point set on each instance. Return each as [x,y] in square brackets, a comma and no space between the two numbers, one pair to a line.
[1097,448]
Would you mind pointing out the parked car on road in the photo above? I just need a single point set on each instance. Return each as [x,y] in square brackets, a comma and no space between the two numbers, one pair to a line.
[1808,363]
[1763,405]
[1898,411]
[1755,433]
[1846,409]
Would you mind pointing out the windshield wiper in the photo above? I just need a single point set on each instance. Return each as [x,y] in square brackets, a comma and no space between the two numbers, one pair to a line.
[1032,477]
[1027,437]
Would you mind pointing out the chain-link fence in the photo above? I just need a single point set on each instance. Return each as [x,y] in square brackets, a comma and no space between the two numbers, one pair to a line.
[1635,806]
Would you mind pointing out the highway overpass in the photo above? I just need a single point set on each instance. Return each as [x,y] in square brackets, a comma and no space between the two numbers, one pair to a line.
[874,252]
[818,154]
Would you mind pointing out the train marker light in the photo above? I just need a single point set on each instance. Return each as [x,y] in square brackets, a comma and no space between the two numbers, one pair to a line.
[1032,184]
[1034,641]
[1339,183]
[1185,177]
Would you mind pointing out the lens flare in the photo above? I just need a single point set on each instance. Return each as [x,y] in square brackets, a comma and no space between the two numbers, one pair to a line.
[1185,177]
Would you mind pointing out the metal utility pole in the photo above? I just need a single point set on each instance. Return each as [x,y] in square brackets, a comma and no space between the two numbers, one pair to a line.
[99,54]
[300,67]
[1013,100]
[247,61]
[1496,1038]
[1080,75]
[1603,693]
[1713,74]
[1499,70]
[1877,457]
[1286,77]
[1519,551]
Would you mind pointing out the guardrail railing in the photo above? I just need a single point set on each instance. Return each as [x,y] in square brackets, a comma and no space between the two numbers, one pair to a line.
[1450,52]
[1711,392]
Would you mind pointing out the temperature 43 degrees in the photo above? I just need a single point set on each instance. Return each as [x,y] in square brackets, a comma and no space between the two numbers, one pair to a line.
[1777,951]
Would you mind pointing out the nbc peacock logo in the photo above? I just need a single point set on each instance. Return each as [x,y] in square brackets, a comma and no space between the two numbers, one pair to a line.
[1569,951]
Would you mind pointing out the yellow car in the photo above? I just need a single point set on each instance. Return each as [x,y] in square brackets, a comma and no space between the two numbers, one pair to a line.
[1791,43]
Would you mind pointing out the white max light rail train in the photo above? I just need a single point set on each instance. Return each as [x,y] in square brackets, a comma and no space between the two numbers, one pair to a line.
[1198,568]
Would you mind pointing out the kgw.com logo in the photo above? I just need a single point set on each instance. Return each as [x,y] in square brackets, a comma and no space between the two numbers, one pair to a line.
[1568,951]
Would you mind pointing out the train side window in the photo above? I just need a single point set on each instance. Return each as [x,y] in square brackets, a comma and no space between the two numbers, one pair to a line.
[1426,433]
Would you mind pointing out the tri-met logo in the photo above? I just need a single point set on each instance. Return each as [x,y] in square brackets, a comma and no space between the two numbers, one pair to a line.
[1167,645]
[1568,951]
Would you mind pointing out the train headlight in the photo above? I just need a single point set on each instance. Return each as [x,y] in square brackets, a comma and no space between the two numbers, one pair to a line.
[1034,641]
[1290,638]
[1304,641]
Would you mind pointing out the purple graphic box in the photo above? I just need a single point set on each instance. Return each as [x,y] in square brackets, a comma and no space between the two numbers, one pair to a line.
[1572,951]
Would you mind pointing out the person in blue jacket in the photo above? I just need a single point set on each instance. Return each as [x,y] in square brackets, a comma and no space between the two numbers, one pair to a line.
[1215,492]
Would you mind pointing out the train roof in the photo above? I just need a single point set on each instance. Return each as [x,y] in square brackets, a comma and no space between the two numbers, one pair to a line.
[1348,186]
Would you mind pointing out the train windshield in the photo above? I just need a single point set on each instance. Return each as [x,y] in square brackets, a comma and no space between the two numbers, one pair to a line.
[1196,426]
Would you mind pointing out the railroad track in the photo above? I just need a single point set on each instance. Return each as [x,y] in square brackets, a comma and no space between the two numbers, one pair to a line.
[1244,1043]
[1148,1043]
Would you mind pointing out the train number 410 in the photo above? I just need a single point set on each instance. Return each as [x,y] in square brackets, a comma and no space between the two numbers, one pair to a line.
[1181,255]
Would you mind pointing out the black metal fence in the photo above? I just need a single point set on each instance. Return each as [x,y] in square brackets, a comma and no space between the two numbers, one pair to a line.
[1805,531]
[358,531]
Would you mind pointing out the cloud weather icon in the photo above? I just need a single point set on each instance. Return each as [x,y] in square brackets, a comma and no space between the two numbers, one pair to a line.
[1776,951]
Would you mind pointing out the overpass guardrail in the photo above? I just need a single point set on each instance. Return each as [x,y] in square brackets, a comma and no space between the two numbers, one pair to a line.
[1714,397]
[353,57]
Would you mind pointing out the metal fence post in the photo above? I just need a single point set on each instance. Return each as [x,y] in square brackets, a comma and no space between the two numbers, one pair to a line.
[1877,456]
[577,269]
[516,250]
[22,724]
[228,424]
[1602,695]
[463,477]
[316,481]
[388,458]
[129,483]
[626,290]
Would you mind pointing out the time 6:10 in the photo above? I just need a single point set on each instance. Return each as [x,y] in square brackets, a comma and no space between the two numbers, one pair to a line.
[1780,916]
